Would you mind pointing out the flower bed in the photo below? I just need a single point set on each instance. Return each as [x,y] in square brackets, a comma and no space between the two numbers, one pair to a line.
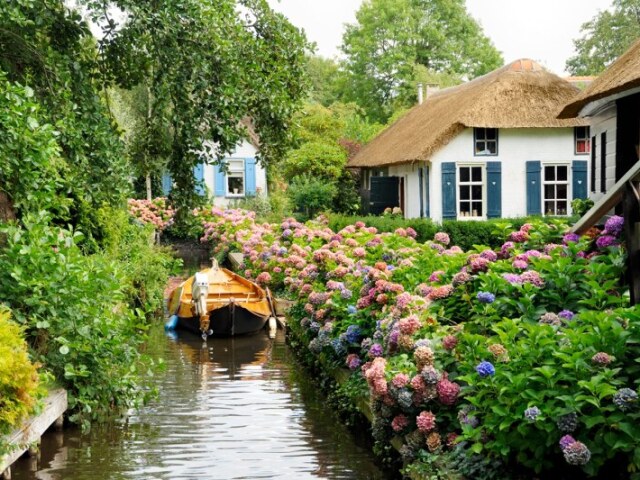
[515,359]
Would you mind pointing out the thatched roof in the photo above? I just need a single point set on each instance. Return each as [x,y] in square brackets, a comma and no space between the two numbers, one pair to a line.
[519,95]
[623,74]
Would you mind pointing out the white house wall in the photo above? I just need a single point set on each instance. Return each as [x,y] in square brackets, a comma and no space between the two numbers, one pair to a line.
[604,121]
[515,148]
[244,150]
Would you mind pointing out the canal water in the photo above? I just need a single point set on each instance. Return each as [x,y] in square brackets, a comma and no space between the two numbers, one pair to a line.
[236,408]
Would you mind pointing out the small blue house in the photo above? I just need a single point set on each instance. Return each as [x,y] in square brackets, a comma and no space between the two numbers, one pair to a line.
[243,178]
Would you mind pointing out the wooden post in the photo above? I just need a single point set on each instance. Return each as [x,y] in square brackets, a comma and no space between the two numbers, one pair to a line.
[6,475]
[631,212]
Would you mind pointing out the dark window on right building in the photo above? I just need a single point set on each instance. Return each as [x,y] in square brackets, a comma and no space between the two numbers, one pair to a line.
[593,164]
[603,162]
[582,144]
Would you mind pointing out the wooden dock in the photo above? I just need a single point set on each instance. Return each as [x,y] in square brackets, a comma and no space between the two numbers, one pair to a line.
[236,259]
[27,437]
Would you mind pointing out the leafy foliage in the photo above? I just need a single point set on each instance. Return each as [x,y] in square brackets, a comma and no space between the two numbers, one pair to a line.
[74,310]
[393,37]
[206,67]
[49,49]
[311,195]
[605,37]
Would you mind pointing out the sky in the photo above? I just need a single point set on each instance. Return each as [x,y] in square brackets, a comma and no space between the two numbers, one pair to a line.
[542,30]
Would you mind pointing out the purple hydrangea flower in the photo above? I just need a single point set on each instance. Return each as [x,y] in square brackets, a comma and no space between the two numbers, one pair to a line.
[605,241]
[486,297]
[375,350]
[566,314]
[346,294]
[485,369]
[566,441]
[570,237]
[614,225]
[532,413]
[512,278]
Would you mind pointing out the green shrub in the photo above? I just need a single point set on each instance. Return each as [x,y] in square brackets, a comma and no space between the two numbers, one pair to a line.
[74,312]
[145,267]
[463,233]
[311,195]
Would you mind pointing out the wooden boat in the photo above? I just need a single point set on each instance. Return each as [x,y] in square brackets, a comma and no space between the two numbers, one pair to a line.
[217,301]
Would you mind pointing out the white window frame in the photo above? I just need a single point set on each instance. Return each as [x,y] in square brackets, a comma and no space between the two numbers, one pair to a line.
[556,182]
[485,152]
[586,140]
[471,183]
[232,172]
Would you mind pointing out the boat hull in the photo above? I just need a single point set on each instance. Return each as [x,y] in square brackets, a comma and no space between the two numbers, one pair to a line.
[227,321]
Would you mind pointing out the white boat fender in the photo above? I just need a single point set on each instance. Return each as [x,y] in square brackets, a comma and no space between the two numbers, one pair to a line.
[172,323]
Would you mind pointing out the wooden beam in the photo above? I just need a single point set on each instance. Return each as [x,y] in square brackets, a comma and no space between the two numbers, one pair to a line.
[32,429]
[606,203]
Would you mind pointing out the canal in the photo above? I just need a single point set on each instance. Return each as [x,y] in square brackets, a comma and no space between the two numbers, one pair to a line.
[236,408]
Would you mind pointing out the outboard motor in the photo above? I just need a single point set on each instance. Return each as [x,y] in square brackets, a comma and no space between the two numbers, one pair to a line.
[199,294]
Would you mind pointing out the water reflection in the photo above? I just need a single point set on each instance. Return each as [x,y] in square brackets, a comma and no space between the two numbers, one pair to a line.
[229,409]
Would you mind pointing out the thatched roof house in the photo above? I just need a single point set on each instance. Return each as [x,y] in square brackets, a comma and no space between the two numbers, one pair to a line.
[519,95]
[622,76]
[445,159]
[612,105]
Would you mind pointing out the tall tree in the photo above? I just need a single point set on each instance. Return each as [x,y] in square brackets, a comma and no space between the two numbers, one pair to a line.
[391,38]
[605,37]
[208,65]
[49,48]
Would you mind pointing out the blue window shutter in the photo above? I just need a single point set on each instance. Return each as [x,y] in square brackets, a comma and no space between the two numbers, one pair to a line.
[580,179]
[534,201]
[427,196]
[449,210]
[219,181]
[167,181]
[494,189]
[198,174]
[250,176]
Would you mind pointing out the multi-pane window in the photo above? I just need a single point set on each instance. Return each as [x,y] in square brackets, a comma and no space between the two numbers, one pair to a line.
[555,185]
[486,141]
[471,191]
[582,143]
[235,178]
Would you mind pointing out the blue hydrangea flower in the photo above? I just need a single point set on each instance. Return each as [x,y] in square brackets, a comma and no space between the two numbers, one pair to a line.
[486,297]
[351,309]
[353,334]
[532,413]
[625,399]
[485,369]
[338,347]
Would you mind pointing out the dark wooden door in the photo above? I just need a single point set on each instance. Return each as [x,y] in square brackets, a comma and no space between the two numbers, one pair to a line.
[384,194]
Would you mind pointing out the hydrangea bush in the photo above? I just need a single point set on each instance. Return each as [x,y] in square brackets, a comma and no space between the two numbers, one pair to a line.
[524,354]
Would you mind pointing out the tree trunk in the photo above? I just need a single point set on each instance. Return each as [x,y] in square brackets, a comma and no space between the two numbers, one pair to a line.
[148,182]
[7,212]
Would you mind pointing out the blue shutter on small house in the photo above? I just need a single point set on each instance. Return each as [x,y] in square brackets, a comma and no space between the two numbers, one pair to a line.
[580,178]
[219,181]
[449,210]
[250,176]
[198,175]
[534,201]
[167,181]
[494,189]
